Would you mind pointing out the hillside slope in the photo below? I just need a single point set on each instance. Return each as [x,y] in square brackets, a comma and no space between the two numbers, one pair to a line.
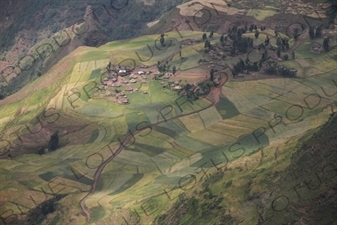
[26,25]
[303,192]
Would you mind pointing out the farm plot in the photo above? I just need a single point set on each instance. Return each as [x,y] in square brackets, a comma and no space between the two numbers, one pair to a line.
[57,101]
[193,122]
[156,139]
[325,63]
[210,116]
[211,137]
[299,127]
[129,183]
[134,120]
[230,130]
[134,158]
[167,130]
[113,180]
[242,104]
[189,62]
[184,163]
[162,165]
[101,63]
[260,14]
[192,144]
[9,109]
[226,108]
[149,150]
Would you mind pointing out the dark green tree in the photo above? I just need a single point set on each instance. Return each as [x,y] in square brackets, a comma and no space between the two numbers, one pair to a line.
[318,33]
[162,40]
[212,74]
[331,12]
[266,42]
[108,67]
[311,33]
[158,65]
[211,34]
[204,36]
[208,44]
[222,38]
[174,70]
[54,142]
[285,57]
[278,52]
[326,43]
[41,151]
[296,34]
[257,34]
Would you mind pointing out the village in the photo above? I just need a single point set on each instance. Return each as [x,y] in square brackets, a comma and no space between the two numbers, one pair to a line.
[119,81]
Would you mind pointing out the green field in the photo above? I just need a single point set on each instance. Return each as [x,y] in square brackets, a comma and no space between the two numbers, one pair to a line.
[236,133]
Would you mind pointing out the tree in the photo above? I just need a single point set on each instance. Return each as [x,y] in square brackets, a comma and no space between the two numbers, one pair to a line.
[296,34]
[211,34]
[276,33]
[266,42]
[285,57]
[257,34]
[326,44]
[208,44]
[311,33]
[53,142]
[41,151]
[158,65]
[263,57]
[108,68]
[278,52]
[204,36]
[318,33]
[174,70]
[255,67]
[331,12]
[162,40]
[212,74]
[222,38]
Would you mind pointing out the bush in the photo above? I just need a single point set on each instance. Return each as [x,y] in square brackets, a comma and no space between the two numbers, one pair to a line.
[54,141]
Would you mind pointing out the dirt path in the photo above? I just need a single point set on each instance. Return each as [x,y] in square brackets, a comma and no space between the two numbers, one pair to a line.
[214,94]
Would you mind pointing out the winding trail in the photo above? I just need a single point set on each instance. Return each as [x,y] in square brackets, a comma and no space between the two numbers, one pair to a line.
[214,94]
